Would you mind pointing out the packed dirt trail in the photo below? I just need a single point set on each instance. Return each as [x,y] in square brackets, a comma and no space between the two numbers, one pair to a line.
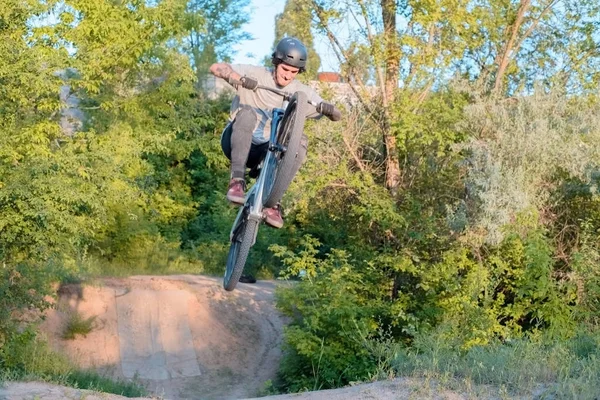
[182,337]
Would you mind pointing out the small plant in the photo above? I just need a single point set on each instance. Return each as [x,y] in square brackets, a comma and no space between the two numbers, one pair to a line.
[77,325]
[268,389]
[91,380]
[26,356]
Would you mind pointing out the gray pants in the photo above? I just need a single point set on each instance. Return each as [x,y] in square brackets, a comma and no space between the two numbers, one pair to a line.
[236,142]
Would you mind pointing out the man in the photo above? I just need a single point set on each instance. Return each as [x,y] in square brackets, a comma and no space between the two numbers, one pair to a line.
[245,139]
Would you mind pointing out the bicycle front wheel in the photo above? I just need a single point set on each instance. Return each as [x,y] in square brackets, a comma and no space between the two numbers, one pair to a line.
[284,164]
[241,242]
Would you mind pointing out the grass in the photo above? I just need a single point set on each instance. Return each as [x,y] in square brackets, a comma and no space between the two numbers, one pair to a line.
[92,381]
[532,368]
[77,325]
[29,358]
[181,263]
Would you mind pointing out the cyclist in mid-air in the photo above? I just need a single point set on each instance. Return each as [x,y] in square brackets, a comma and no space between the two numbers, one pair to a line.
[245,140]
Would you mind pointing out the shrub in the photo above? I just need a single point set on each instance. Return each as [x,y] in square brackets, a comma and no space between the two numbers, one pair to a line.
[515,150]
[78,325]
[323,349]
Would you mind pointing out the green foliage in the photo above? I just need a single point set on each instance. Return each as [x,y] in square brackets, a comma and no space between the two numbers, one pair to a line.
[585,268]
[510,46]
[425,264]
[28,357]
[511,292]
[90,380]
[214,26]
[22,286]
[116,192]
[326,307]
[78,325]
[517,148]
[24,354]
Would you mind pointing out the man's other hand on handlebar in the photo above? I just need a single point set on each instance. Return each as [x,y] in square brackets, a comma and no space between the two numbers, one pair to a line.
[329,111]
[249,83]
[245,82]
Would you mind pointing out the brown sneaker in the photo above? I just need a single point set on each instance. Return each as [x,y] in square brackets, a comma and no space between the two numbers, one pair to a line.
[273,216]
[235,193]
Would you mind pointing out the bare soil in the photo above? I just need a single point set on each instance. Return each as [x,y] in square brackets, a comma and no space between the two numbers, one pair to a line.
[182,337]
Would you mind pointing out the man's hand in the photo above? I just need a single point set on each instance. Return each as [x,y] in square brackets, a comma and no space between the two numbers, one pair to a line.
[249,83]
[329,111]
[245,82]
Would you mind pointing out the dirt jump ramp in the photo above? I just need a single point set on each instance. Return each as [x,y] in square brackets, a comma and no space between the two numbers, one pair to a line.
[182,337]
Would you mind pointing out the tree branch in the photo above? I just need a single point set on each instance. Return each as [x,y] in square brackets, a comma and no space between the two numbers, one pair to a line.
[341,56]
[514,31]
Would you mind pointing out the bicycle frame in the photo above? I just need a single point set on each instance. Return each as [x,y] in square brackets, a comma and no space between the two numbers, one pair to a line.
[254,197]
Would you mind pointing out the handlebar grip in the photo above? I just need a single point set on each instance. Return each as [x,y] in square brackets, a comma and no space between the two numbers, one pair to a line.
[246,83]
[336,115]
[249,83]
[329,110]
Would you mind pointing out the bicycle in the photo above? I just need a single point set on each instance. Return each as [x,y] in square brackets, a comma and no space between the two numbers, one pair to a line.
[277,169]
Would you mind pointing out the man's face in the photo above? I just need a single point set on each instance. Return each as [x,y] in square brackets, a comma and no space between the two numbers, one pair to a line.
[285,74]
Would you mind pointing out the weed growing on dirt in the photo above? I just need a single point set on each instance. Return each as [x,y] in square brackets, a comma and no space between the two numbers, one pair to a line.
[78,325]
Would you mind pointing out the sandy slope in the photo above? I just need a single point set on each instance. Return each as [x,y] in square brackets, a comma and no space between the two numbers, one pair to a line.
[183,337]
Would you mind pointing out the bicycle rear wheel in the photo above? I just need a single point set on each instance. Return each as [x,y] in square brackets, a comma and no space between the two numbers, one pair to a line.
[282,167]
[241,242]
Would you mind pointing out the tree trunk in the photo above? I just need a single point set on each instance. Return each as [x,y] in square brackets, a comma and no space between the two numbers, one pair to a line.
[392,71]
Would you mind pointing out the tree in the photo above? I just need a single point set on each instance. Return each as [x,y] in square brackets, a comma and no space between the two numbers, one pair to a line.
[61,195]
[29,110]
[214,27]
[413,47]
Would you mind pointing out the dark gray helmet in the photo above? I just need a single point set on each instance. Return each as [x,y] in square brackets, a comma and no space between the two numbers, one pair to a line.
[292,52]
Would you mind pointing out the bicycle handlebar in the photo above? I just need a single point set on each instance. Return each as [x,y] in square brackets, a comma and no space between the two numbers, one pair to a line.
[335,116]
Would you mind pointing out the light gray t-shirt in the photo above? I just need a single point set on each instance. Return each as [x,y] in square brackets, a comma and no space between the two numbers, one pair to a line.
[263,101]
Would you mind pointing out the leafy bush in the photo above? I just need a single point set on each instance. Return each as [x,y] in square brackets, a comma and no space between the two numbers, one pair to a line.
[22,287]
[510,292]
[516,149]
[77,325]
[321,352]
[333,307]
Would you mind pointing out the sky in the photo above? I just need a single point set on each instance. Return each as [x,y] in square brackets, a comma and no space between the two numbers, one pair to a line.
[262,28]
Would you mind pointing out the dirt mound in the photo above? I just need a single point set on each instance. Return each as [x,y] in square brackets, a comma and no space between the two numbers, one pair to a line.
[182,337]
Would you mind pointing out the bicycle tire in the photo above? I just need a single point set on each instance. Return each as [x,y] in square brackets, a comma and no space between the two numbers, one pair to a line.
[289,135]
[241,242]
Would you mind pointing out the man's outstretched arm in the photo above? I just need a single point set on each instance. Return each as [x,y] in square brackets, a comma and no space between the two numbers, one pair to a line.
[224,71]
